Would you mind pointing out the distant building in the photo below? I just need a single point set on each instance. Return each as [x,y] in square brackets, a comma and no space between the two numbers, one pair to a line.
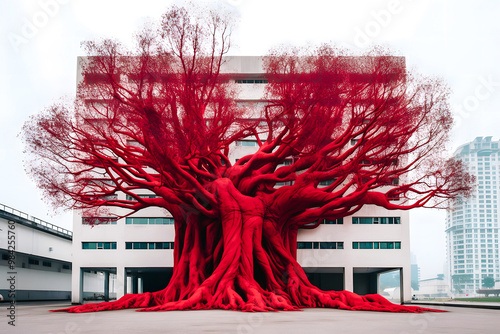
[433,288]
[415,273]
[35,259]
[472,226]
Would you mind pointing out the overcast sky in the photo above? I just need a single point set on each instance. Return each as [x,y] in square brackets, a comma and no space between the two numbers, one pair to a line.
[456,40]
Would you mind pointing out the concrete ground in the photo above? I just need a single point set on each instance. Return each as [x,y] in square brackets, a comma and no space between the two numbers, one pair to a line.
[33,318]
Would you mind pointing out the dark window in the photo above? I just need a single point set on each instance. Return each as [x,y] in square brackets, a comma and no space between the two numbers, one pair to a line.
[149,245]
[46,264]
[326,182]
[304,245]
[140,245]
[319,245]
[251,81]
[33,261]
[328,245]
[376,220]
[98,245]
[366,245]
[336,221]
[377,245]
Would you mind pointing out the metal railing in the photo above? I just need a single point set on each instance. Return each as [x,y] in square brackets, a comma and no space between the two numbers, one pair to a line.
[35,220]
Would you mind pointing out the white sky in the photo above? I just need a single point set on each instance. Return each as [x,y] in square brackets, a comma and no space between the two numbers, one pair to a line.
[453,39]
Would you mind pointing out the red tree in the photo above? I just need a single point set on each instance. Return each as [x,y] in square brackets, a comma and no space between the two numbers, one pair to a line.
[163,118]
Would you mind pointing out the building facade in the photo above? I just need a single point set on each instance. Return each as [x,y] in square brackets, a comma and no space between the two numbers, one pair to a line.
[35,259]
[472,224]
[433,288]
[135,254]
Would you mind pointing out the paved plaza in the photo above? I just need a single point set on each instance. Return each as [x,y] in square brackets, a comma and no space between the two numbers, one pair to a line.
[33,318]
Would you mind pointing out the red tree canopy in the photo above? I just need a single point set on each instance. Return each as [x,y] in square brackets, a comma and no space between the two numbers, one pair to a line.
[339,131]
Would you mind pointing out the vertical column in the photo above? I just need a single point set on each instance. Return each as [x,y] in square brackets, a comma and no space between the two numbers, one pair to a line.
[378,283]
[405,284]
[135,284]
[120,282]
[76,285]
[348,279]
[106,286]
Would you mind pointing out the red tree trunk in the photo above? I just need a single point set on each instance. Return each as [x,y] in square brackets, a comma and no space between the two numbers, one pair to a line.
[239,262]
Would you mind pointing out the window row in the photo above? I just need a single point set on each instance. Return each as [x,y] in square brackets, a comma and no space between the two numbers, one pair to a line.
[130,220]
[300,245]
[335,221]
[376,220]
[128,245]
[149,221]
[170,221]
[130,198]
[319,245]
[149,245]
[251,81]
[377,245]
[98,220]
[98,245]
[36,262]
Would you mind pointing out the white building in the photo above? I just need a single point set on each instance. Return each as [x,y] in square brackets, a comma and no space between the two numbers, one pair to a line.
[472,226]
[433,288]
[35,259]
[136,253]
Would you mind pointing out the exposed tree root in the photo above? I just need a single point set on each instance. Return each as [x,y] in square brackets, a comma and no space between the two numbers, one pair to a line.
[241,264]
[256,301]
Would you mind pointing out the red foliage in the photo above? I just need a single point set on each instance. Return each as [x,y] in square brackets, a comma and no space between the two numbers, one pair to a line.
[163,118]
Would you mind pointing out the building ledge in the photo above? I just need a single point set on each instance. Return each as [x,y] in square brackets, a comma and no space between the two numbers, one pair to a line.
[22,218]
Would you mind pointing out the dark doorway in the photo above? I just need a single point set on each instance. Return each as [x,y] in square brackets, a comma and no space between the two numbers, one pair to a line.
[326,278]
[148,279]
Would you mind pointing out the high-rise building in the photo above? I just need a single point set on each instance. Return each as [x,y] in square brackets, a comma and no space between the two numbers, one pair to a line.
[472,224]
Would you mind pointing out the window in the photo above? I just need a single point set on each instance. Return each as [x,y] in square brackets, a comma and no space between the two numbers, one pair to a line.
[149,245]
[130,198]
[98,245]
[98,220]
[336,221]
[102,78]
[376,220]
[251,81]
[327,182]
[320,245]
[304,245]
[376,245]
[66,266]
[149,221]
[46,263]
[33,261]
[246,143]
[331,245]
